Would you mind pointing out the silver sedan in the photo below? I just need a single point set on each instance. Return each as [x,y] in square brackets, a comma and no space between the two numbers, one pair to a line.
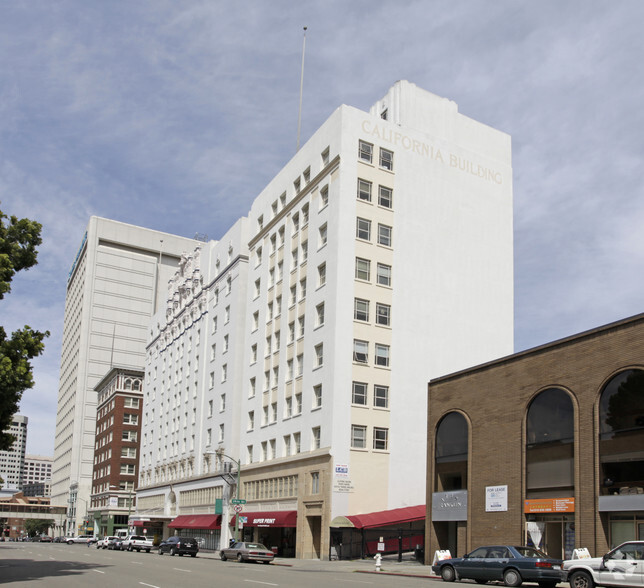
[242,551]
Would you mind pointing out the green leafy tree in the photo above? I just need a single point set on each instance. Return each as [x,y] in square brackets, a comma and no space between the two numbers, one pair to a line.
[19,240]
[37,526]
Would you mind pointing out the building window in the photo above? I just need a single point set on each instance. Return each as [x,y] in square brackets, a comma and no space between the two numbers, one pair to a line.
[319,355]
[383,314]
[305,214]
[130,419]
[294,258]
[385,197]
[315,438]
[127,469]
[287,445]
[321,274]
[315,482]
[305,251]
[365,151]
[255,324]
[291,332]
[323,235]
[297,184]
[288,407]
[317,396]
[319,309]
[227,314]
[222,403]
[300,365]
[363,269]
[621,432]
[325,157]
[324,196]
[298,403]
[364,190]
[360,309]
[382,355]
[451,453]
[260,222]
[360,351]
[258,257]
[384,235]
[380,438]
[386,159]
[296,442]
[363,229]
[302,289]
[209,408]
[258,284]
[300,322]
[224,373]
[358,436]
[359,393]
[221,433]
[251,387]
[296,223]
[381,396]
[225,343]
[384,275]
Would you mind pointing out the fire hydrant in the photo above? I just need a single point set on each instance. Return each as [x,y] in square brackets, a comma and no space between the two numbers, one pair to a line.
[378,559]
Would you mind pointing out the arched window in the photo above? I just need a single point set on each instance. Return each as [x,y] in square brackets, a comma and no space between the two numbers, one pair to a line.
[550,445]
[621,433]
[452,437]
[128,384]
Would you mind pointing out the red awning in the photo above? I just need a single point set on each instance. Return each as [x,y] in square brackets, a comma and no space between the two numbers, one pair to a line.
[386,518]
[139,524]
[196,522]
[273,518]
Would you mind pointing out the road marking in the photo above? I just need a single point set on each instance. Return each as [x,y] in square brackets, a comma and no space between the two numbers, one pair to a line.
[151,585]
[99,572]
[180,570]
[138,563]
[258,582]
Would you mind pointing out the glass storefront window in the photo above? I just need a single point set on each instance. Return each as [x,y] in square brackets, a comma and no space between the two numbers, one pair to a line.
[621,438]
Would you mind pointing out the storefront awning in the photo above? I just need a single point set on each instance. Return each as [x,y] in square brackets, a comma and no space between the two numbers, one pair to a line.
[196,522]
[273,518]
[383,518]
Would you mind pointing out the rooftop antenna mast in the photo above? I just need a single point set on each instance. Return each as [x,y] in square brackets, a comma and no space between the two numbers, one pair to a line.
[299,116]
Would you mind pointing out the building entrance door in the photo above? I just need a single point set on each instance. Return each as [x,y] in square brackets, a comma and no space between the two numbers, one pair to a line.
[554,535]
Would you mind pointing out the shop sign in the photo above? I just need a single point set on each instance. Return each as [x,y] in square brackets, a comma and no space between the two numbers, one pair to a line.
[548,505]
[341,470]
[343,485]
[496,498]
[449,506]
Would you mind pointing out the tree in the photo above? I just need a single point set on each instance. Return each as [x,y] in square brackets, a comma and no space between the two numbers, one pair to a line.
[37,526]
[19,239]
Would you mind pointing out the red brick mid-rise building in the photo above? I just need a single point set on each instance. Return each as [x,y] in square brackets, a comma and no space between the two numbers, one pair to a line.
[116,450]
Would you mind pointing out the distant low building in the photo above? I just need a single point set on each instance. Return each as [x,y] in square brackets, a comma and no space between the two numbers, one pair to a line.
[18,508]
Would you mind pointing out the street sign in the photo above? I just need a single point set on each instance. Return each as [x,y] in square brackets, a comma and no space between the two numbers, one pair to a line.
[238,508]
[238,501]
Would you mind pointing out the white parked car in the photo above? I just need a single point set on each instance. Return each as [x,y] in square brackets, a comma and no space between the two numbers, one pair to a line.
[104,542]
[622,566]
[81,539]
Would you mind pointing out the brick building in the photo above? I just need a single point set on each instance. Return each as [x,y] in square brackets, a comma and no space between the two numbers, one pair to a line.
[116,453]
[543,447]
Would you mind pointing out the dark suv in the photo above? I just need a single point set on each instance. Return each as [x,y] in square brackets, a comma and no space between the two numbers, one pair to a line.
[179,546]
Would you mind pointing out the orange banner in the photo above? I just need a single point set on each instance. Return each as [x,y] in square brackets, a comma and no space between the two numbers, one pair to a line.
[539,505]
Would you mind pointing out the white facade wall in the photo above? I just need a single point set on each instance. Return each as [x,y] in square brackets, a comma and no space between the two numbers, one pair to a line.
[113,289]
[447,304]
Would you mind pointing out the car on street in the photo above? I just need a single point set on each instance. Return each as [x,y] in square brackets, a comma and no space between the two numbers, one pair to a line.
[105,541]
[80,539]
[45,539]
[242,551]
[179,546]
[509,564]
[622,566]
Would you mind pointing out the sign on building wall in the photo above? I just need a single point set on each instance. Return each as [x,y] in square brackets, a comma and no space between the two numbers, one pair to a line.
[541,505]
[449,506]
[341,480]
[496,498]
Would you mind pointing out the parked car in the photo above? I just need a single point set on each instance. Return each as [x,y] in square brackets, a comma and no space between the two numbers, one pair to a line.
[510,564]
[45,539]
[60,539]
[102,543]
[622,566]
[242,551]
[81,539]
[115,543]
[137,543]
[179,546]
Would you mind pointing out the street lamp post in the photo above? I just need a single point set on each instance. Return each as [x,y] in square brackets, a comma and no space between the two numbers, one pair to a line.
[220,453]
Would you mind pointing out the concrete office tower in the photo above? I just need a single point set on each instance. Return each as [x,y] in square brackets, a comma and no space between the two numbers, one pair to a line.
[378,258]
[37,469]
[115,285]
[12,462]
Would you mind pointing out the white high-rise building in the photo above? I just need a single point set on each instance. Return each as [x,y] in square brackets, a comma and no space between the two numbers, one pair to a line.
[293,374]
[12,461]
[115,283]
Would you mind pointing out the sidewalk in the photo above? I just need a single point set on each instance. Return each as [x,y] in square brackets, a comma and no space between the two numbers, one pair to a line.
[390,565]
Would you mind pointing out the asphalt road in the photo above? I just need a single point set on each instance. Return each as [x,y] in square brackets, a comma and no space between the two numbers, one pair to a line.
[66,566]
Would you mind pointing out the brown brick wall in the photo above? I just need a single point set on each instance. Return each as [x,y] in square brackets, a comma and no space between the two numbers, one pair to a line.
[494,398]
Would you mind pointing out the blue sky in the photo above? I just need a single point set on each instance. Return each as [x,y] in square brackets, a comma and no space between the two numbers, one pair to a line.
[173,115]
